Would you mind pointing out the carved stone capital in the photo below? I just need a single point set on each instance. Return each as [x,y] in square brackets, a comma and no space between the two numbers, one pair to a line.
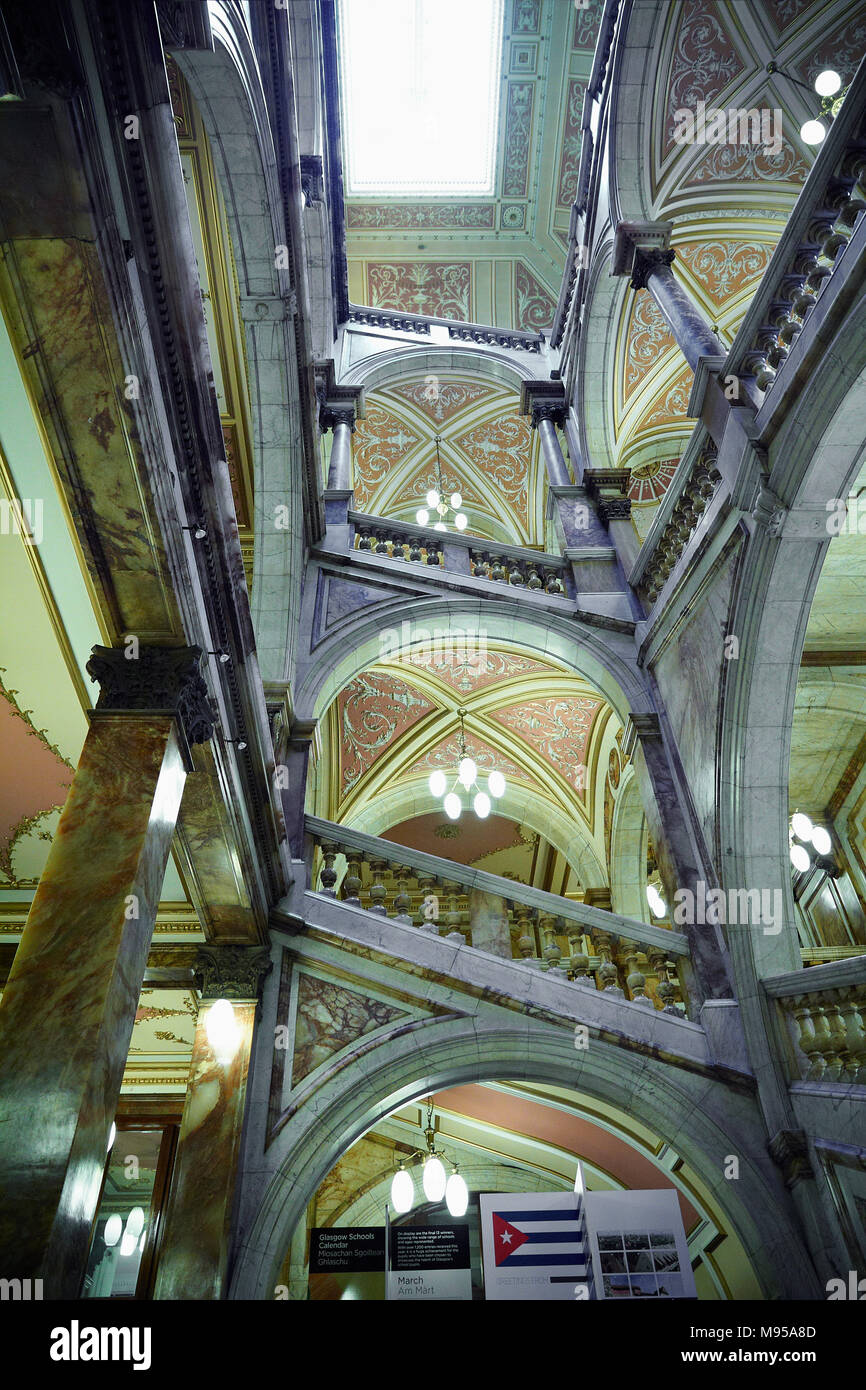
[790,1150]
[312,181]
[548,410]
[331,416]
[232,972]
[614,509]
[157,680]
[646,262]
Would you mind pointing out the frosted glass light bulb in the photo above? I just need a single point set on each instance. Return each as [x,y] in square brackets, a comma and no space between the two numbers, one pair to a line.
[460,521]
[496,784]
[821,840]
[467,772]
[135,1221]
[432,498]
[435,1178]
[456,501]
[802,826]
[800,859]
[453,806]
[440,526]
[113,1229]
[402,1191]
[422,516]
[437,782]
[482,805]
[457,1195]
[827,83]
[813,132]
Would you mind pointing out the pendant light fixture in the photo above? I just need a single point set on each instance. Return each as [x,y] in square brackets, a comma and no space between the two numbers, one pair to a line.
[436,1184]
[436,503]
[467,778]
[802,833]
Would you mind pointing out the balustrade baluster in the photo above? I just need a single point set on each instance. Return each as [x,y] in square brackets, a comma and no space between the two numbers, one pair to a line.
[635,978]
[353,881]
[534,580]
[402,901]
[429,910]
[551,951]
[328,874]
[378,891]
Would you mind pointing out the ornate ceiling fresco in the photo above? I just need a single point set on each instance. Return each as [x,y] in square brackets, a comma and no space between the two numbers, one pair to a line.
[728,203]
[545,729]
[489,453]
[496,260]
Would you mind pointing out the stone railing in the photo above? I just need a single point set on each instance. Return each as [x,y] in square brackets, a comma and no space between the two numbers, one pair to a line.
[603,949]
[810,250]
[462,554]
[688,497]
[459,332]
[824,1010]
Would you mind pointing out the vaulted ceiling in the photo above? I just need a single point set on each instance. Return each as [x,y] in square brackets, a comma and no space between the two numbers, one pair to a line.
[728,203]
[496,260]
[489,454]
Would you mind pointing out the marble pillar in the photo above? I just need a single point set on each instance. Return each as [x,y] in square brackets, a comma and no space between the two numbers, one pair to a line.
[195,1247]
[68,1009]
[488,923]
[652,271]
[338,493]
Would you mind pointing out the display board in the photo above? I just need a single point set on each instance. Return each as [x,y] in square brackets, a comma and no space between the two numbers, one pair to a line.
[638,1244]
[430,1263]
[535,1246]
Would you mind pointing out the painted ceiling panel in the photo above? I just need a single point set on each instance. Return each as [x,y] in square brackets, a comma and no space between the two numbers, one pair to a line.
[496,260]
[373,711]
[559,729]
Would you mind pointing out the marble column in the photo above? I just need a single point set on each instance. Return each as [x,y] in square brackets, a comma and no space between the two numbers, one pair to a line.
[707,971]
[195,1247]
[652,271]
[68,1009]
[339,417]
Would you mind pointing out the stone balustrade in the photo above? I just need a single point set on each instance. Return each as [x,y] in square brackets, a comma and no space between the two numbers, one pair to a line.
[586,945]
[689,496]
[824,1010]
[533,570]
[809,251]
[482,334]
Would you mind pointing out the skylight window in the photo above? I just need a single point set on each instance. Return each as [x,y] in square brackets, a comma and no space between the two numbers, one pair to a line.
[420,95]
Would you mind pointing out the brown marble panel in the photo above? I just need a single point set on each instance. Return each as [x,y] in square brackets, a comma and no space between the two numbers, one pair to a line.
[68,1008]
[195,1249]
[329,1018]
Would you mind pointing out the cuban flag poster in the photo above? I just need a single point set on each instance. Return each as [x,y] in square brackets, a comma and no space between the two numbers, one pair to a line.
[535,1246]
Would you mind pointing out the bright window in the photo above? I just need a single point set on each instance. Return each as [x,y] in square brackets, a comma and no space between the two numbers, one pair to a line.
[420,96]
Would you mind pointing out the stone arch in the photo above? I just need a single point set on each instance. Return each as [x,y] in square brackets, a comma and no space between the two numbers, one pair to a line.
[704,1120]
[382,368]
[606,661]
[770,608]
[413,798]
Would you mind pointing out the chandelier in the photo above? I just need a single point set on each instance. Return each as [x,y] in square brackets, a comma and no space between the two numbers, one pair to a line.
[803,831]
[467,777]
[434,1180]
[436,502]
